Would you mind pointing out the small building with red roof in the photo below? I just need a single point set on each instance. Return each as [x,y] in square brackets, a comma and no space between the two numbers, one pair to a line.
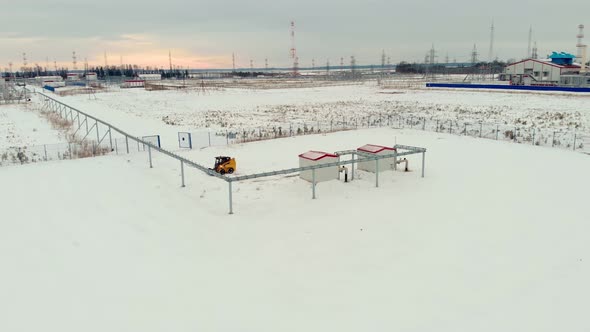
[312,158]
[371,165]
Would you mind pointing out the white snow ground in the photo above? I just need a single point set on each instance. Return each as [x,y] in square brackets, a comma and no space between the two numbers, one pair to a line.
[21,125]
[493,239]
[168,112]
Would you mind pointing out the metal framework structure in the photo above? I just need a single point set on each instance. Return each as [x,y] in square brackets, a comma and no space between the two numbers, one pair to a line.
[362,157]
[83,119]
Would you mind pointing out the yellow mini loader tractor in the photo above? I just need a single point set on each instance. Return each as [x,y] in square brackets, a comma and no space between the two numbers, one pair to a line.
[224,165]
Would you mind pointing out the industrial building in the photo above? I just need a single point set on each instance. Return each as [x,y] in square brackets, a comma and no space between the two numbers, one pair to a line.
[376,150]
[314,158]
[541,72]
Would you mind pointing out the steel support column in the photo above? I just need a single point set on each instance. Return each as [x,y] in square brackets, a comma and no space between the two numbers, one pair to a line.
[231,208]
[423,162]
[313,183]
[182,172]
[150,155]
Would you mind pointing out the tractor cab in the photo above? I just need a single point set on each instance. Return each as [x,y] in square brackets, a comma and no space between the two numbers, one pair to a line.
[224,165]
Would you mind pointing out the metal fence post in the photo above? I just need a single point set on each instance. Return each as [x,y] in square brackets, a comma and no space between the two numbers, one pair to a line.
[465,129]
[497,131]
[231,208]
[150,155]
[553,140]
[437,126]
[313,183]
[451,127]
[209,134]
[514,136]
[423,157]
[480,129]
[533,136]
[574,141]
[376,173]
[45,148]
[182,172]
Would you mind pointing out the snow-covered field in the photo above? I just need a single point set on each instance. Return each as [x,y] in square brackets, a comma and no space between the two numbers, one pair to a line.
[235,108]
[21,125]
[493,238]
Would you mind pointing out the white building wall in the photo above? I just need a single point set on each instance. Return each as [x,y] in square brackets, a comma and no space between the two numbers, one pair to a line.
[543,72]
[385,164]
[322,174]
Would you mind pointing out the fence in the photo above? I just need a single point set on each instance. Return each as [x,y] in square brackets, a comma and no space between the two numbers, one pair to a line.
[490,130]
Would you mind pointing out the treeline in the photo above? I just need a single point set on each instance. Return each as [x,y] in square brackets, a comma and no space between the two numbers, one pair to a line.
[101,72]
[421,68]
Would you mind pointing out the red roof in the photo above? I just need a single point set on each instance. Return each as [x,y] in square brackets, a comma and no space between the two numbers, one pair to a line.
[371,148]
[316,155]
[545,63]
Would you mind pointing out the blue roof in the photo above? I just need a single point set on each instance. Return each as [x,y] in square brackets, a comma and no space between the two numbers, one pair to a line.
[561,55]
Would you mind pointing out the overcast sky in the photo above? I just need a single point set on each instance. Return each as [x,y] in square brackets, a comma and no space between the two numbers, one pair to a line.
[204,34]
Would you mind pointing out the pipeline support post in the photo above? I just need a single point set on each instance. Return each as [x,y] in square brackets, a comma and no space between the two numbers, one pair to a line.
[111,139]
[150,155]
[313,183]
[127,143]
[182,172]
[376,173]
[423,161]
[352,174]
[231,208]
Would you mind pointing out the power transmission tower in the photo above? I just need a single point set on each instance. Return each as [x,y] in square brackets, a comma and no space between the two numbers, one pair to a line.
[75,60]
[25,63]
[528,51]
[294,51]
[353,65]
[534,54]
[474,55]
[491,52]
